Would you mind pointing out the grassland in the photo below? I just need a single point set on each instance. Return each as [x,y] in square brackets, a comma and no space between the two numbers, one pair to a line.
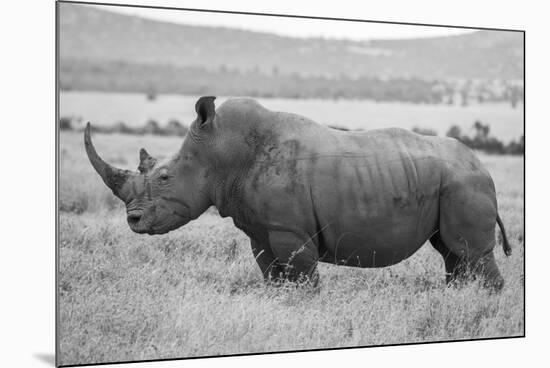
[197,290]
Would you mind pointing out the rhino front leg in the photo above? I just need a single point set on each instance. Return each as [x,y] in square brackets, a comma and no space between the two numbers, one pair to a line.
[297,256]
[267,262]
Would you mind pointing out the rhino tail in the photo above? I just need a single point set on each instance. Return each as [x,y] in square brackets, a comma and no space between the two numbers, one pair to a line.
[505,245]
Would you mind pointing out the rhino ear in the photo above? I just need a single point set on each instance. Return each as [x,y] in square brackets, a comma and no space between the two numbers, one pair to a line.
[146,161]
[206,110]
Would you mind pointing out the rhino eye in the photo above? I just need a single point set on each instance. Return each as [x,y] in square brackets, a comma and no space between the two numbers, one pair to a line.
[164,176]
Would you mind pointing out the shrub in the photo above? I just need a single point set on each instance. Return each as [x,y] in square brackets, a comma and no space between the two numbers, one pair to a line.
[516,148]
[121,127]
[65,123]
[152,127]
[174,127]
[454,132]
[483,142]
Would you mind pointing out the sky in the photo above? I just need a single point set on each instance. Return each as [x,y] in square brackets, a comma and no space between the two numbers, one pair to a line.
[292,26]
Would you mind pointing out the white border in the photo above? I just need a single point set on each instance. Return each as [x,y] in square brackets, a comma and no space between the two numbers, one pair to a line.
[27,185]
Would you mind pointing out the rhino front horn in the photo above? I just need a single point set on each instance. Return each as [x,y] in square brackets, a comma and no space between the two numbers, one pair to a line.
[112,177]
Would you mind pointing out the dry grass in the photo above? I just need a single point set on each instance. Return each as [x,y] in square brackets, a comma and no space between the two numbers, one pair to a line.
[197,291]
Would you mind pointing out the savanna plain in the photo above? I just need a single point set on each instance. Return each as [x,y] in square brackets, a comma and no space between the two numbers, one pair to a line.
[197,291]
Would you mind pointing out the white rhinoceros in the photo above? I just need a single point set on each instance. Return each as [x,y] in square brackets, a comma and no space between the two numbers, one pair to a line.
[305,193]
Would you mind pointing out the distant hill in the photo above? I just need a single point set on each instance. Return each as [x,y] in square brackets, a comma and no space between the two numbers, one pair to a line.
[99,37]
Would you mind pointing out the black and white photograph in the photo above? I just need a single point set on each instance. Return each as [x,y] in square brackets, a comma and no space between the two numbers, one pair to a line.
[235,184]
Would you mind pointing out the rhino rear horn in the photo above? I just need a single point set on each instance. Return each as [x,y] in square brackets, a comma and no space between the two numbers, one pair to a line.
[112,177]
[146,161]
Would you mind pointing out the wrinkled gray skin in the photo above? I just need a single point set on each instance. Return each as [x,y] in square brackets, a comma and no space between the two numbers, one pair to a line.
[306,193]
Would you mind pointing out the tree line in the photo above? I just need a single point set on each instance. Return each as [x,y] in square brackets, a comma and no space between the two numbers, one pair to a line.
[171,128]
[481,140]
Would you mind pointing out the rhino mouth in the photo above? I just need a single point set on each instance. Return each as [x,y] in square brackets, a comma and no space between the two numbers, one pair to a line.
[140,224]
[134,217]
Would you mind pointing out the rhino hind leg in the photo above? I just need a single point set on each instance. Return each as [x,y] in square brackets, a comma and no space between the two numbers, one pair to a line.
[454,265]
[486,267]
[458,269]
[467,229]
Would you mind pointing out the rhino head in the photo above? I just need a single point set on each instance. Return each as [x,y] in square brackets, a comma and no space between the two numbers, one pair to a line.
[161,197]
